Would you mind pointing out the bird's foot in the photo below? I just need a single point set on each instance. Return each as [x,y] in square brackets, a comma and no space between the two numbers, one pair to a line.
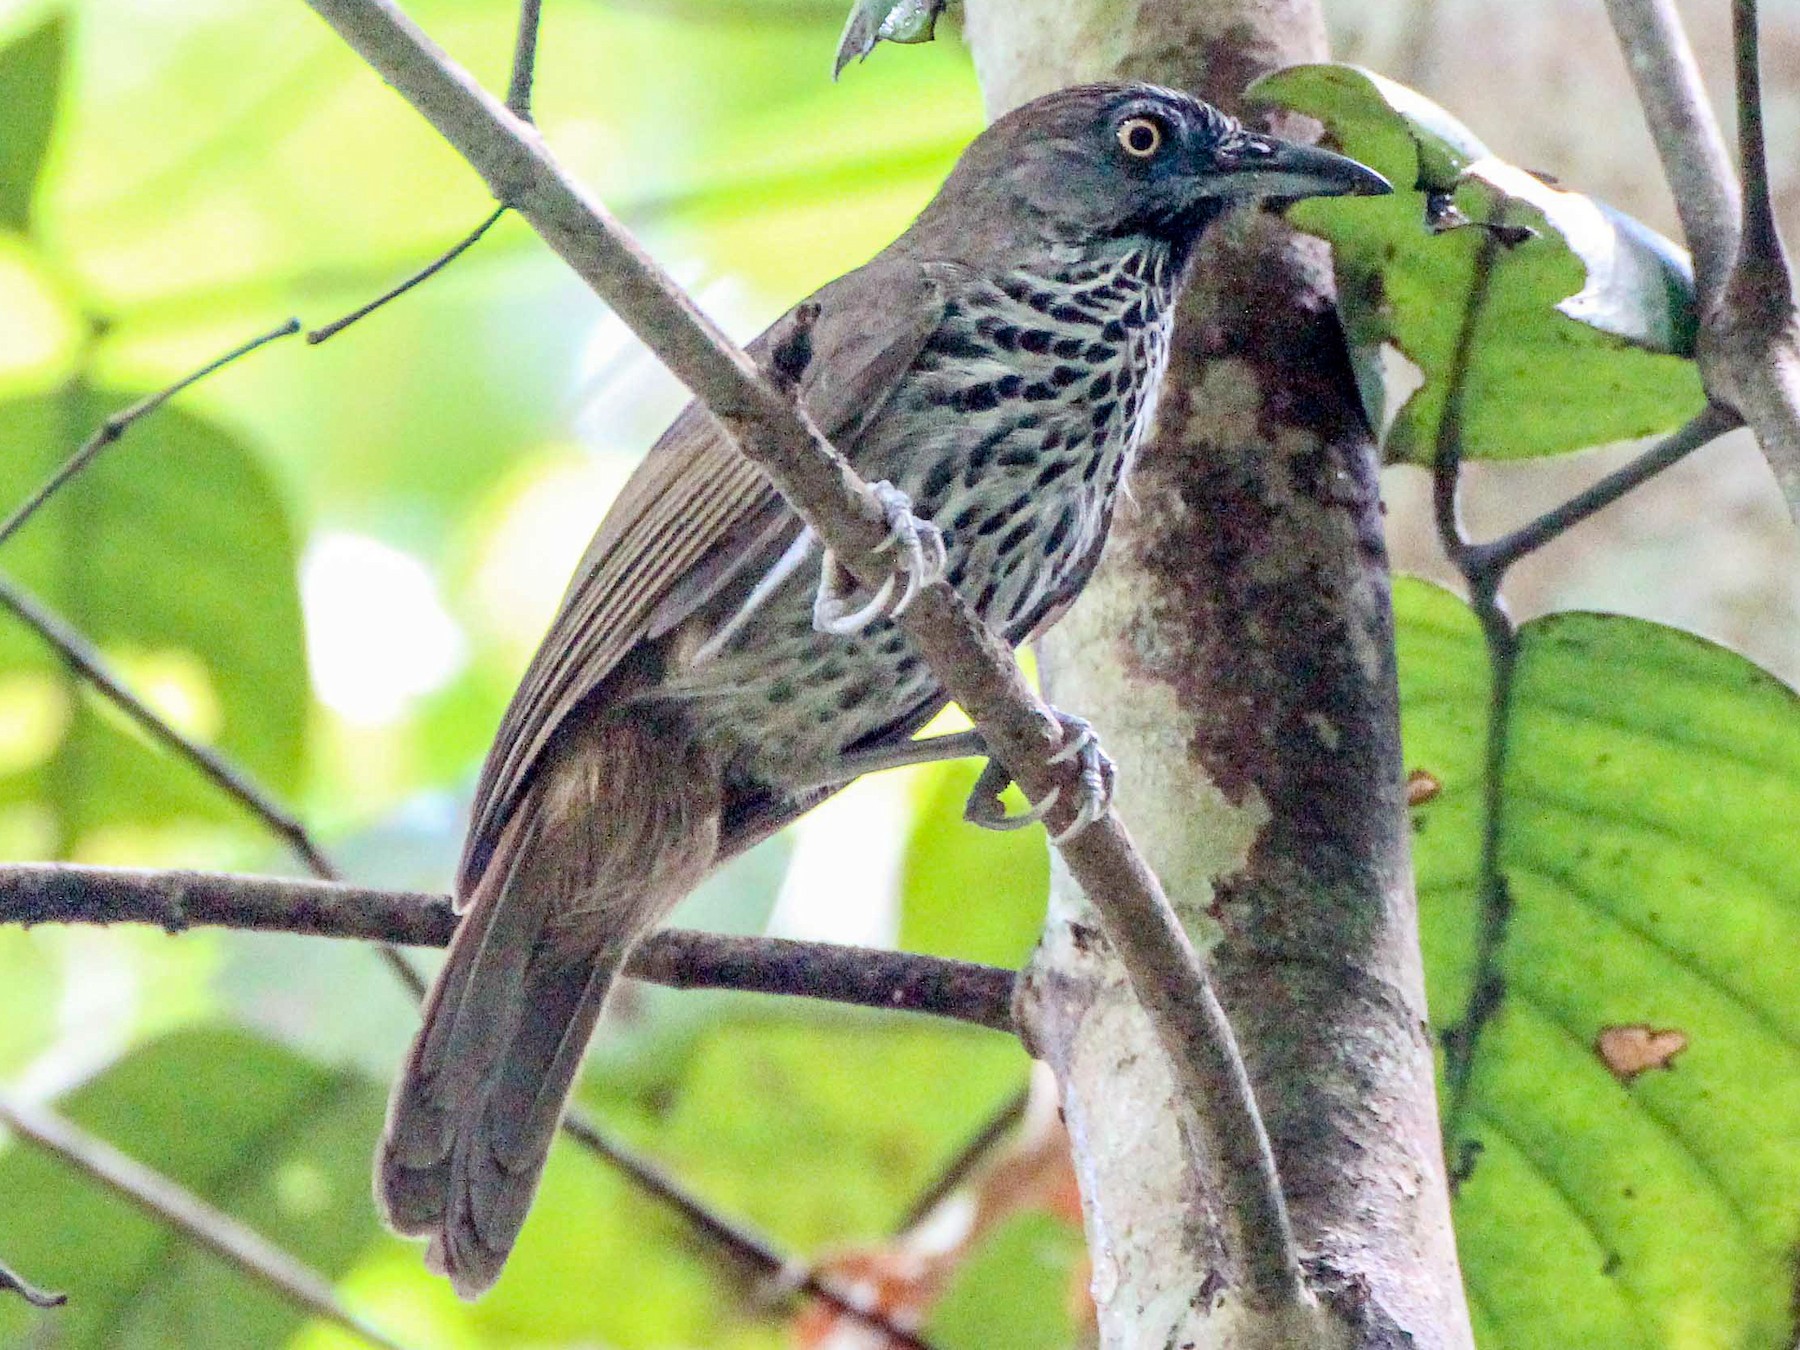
[920,559]
[1095,778]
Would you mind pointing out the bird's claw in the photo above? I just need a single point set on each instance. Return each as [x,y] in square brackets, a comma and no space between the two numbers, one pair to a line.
[1096,778]
[985,809]
[921,559]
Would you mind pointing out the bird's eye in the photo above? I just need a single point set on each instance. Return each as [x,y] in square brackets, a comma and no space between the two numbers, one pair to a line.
[1141,137]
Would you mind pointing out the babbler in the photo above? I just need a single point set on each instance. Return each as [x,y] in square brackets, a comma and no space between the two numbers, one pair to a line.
[708,678]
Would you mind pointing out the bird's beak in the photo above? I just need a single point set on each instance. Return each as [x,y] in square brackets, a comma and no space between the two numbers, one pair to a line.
[1257,166]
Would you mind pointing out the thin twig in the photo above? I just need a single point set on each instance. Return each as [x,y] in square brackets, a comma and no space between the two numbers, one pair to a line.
[425,273]
[1687,135]
[116,426]
[524,66]
[975,668]
[240,1246]
[1498,555]
[968,1158]
[81,657]
[33,893]
[518,100]
[13,1282]
[749,1246]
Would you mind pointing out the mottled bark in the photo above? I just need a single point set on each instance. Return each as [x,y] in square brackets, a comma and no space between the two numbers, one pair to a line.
[1236,654]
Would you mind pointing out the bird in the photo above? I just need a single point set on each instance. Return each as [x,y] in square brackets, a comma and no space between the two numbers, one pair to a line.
[712,674]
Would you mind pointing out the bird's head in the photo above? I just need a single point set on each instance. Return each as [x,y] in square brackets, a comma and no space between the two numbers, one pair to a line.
[1111,160]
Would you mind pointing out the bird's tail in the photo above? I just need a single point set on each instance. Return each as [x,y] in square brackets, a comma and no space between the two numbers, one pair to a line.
[617,829]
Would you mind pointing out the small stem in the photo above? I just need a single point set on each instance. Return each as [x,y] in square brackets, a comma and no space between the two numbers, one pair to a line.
[524,66]
[1483,570]
[1498,555]
[1759,238]
[1687,135]
[13,1282]
[425,273]
[114,427]
[240,1246]
[969,1157]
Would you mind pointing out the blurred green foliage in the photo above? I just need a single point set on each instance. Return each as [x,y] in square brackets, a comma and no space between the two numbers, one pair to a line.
[214,167]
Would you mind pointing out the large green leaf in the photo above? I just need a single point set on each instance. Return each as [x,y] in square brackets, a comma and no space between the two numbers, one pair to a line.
[30,77]
[1651,793]
[976,895]
[1587,321]
[278,1142]
[175,555]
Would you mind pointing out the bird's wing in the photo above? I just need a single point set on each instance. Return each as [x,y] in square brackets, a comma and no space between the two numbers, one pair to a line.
[692,514]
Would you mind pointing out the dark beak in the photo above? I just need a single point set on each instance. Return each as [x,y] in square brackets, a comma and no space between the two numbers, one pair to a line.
[1266,167]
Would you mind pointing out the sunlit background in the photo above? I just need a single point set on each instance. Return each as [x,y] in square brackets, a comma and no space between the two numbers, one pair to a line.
[333,562]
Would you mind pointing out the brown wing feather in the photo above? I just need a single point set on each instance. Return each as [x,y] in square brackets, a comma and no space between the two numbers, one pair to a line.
[693,512]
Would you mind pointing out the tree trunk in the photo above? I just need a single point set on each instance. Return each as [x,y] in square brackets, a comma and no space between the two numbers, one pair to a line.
[1236,654]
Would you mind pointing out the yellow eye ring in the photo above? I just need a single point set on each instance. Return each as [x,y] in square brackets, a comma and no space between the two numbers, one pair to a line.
[1141,137]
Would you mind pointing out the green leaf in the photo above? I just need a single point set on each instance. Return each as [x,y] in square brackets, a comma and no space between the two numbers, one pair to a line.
[976,895]
[276,1141]
[175,555]
[873,21]
[1652,785]
[1587,323]
[31,67]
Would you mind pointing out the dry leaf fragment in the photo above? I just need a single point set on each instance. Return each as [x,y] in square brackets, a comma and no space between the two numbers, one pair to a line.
[1421,786]
[1628,1051]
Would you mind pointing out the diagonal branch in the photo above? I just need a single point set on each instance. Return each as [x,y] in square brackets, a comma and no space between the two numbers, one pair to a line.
[84,660]
[1750,323]
[33,893]
[1687,135]
[116,426]
[742,1242]
[974,667]
[240,1246]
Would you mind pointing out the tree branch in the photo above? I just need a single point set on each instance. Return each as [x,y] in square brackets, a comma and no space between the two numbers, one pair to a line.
[1687,134]
[33,893]
[237,1244]
[1750,322]
[1750,342]
[976,670]
[116,426]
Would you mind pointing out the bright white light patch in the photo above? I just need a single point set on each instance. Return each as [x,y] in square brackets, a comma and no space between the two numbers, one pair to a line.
[378,635]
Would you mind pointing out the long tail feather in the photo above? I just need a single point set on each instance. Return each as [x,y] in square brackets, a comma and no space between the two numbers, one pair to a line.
[622,825]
